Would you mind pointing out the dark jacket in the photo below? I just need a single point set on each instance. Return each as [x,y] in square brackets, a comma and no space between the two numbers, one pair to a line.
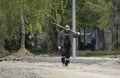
[93,41]
[61,38]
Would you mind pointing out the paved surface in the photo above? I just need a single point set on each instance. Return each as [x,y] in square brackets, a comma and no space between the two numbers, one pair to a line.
[85,60]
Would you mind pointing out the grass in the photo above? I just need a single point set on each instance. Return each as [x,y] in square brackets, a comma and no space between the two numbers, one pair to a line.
[97,53]
[44,52]
[79,53]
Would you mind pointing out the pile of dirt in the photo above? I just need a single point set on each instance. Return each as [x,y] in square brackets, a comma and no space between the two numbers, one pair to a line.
[3,52]
[22,52]
[16,56]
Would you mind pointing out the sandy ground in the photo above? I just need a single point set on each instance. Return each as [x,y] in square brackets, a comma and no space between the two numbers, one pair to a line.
[54,69]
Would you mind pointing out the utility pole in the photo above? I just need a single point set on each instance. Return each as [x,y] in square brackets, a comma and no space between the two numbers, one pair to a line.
[74,27]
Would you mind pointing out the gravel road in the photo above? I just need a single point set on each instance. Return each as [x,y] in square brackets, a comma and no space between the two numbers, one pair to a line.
[50,67]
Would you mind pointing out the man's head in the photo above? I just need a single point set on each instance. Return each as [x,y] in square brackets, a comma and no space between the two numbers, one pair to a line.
[67,27]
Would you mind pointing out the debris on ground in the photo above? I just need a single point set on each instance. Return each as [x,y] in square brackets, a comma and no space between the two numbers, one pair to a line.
[16,55]
[3,52]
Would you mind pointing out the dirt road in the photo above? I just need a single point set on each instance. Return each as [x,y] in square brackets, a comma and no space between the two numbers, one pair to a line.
[33,67]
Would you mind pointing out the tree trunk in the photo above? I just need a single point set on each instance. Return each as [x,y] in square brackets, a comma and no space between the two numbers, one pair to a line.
[113,38]
[23,27]
[84,35]
[97,39]
[53,37]
[116,43]
[100,39]
[79,40]
[103,40]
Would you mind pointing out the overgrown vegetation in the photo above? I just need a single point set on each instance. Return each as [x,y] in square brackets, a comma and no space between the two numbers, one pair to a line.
[99,53]
[39,16]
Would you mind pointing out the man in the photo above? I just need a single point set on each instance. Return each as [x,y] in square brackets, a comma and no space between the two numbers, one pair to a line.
[93,43]
[65,39]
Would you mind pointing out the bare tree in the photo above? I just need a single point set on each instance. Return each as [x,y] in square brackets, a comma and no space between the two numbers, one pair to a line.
[23,26]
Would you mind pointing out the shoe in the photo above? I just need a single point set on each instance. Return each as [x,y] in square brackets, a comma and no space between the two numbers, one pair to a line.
[63,60]
[66,64]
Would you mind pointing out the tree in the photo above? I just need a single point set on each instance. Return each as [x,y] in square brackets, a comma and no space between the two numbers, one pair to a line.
[94,14]
[7,14]
[57,13]
[2,31]
[114,23]
[23,26]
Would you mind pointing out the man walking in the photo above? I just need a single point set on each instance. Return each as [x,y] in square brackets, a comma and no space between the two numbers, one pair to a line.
[65,39]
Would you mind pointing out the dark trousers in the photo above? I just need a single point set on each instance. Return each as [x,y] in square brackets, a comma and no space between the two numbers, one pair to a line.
[65,55]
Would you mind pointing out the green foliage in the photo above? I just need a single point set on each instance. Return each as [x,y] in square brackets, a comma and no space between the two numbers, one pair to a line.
[7,22]
[112,54]
[40,14]
[93,13]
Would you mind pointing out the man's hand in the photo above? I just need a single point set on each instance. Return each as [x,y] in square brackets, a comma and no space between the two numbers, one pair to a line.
[78,33]
[59,47]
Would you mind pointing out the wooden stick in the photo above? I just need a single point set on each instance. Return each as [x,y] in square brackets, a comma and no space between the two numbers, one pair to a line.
[62,27]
